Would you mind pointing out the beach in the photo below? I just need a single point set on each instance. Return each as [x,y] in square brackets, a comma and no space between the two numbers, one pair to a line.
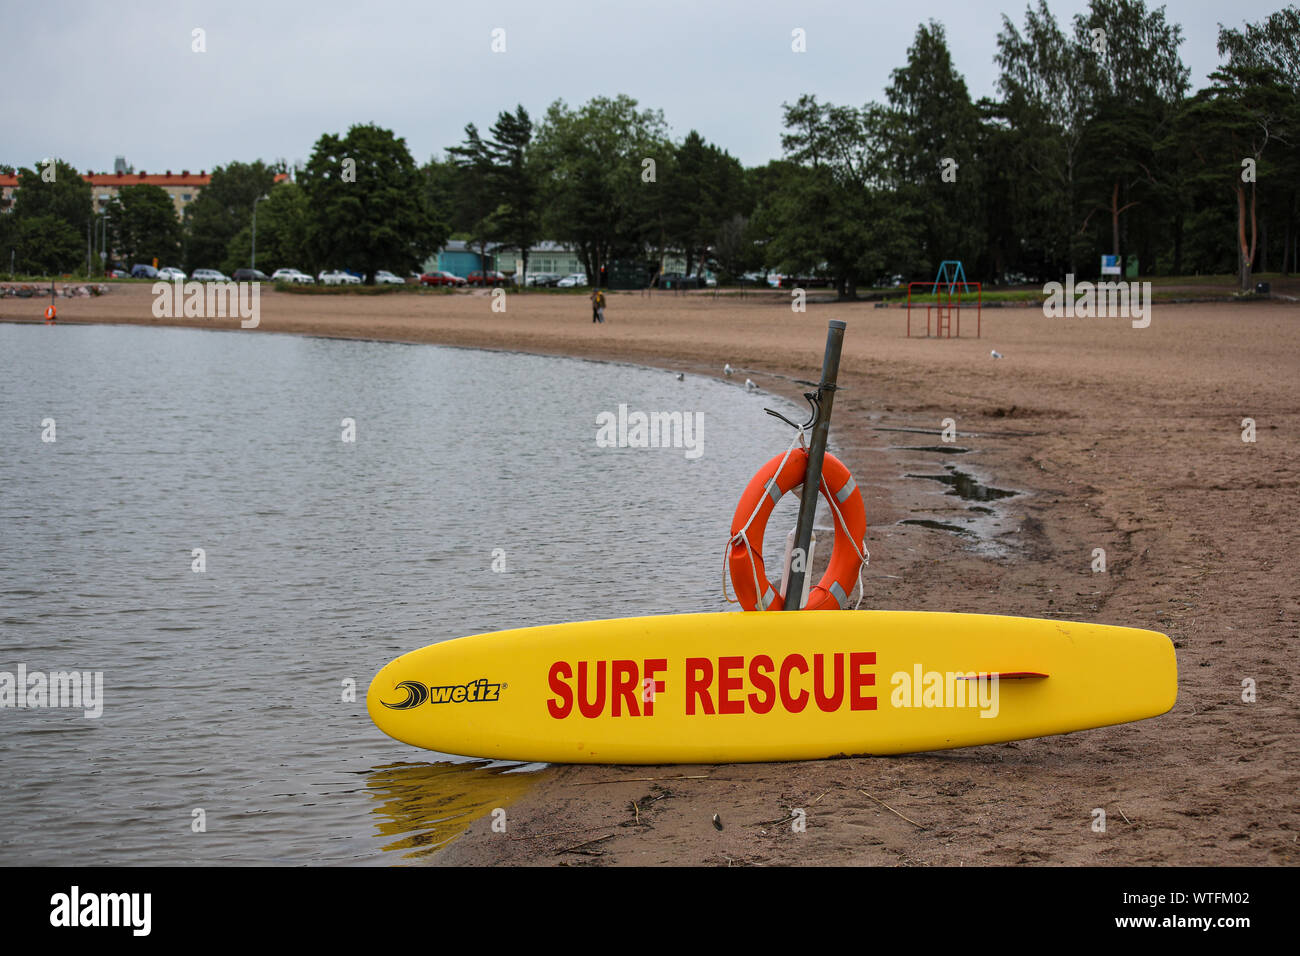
[1124,439]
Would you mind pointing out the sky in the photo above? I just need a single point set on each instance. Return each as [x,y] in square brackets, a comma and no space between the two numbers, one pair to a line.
[90,81]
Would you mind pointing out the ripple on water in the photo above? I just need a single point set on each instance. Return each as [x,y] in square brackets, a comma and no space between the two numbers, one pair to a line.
[226,691]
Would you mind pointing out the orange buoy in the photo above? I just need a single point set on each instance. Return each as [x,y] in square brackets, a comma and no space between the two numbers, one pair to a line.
[745,557]
[50,313]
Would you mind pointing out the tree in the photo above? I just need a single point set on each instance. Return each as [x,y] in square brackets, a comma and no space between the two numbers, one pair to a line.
[474,192]
[596,164]
[368,205]
[222,209]
[1045,106]
[1274,43]
[828,206]
[1137,80]
[43,245]
[55,190]
[1229,125]
[283,225]
[517,219]
[735,247]
[706,189]
[931,124]
[143,224]
[48,225]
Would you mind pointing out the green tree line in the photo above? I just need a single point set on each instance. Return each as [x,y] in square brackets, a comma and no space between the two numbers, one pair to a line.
[1093,144]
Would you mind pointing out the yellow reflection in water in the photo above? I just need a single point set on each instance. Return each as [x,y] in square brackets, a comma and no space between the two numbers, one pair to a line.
[426,806]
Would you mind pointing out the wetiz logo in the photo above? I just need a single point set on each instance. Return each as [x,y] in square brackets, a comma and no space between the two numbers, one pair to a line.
[474,692]
[209,300]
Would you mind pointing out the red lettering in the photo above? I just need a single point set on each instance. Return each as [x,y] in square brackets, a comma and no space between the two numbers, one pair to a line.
[653,667]
[831,703]
[762,682]
[859,680]
[593,709]
[793,704]
[623,688]
[698,685]
[727,683]
[563,704]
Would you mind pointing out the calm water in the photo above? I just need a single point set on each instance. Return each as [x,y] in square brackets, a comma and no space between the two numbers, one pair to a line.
[224,690]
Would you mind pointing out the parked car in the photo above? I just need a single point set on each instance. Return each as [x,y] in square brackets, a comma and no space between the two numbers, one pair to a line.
[491,277]
[209,275]
[572,280]
[249,275]
[384,277]
[337,277]
[292,275]
[171,274]
[117,274]
[142,271]
[543,279]
[441,278]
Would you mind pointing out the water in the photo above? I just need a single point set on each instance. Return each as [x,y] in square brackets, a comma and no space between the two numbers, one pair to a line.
[966,486]
[224,691]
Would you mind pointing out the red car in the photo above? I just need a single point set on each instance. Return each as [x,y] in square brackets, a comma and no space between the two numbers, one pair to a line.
[441,278]
[492,278]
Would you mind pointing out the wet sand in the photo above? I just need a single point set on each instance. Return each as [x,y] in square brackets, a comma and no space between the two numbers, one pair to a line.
[1116,438]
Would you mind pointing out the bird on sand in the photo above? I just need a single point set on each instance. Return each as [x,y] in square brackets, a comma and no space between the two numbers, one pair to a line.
[727,369]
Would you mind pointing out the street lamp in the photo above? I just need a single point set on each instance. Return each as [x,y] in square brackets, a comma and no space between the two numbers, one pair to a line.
[103,241]
[255,202]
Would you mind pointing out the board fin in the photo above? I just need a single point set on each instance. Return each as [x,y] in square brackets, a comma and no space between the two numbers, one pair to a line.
[1003,675]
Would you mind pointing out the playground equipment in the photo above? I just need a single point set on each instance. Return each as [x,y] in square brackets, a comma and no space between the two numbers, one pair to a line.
[947,303]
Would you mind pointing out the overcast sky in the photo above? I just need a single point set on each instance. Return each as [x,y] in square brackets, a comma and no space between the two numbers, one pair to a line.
[93,80]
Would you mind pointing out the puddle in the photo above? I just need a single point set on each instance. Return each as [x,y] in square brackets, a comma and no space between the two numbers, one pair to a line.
[939,449]
[937,526]
[967,486]
[983,526]
[967,434]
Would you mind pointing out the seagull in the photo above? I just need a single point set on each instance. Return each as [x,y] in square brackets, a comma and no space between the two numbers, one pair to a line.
[727,369]
[750,384]
[996,354]
[680,377]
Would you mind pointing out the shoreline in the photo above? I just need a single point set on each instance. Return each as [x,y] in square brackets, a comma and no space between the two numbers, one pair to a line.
[1126,440]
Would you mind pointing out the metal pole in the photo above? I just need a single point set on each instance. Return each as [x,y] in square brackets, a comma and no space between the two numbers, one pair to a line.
[816,453]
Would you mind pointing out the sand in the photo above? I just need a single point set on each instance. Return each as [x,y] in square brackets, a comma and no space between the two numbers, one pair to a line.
[1118,438]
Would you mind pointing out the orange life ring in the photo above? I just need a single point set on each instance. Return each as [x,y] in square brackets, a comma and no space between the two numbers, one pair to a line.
[50,312]
[761,495]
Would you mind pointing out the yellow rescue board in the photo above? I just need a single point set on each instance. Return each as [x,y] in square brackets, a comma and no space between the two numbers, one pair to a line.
[796,685]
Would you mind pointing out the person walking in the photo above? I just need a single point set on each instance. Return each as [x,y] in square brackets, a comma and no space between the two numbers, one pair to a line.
[598,305]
